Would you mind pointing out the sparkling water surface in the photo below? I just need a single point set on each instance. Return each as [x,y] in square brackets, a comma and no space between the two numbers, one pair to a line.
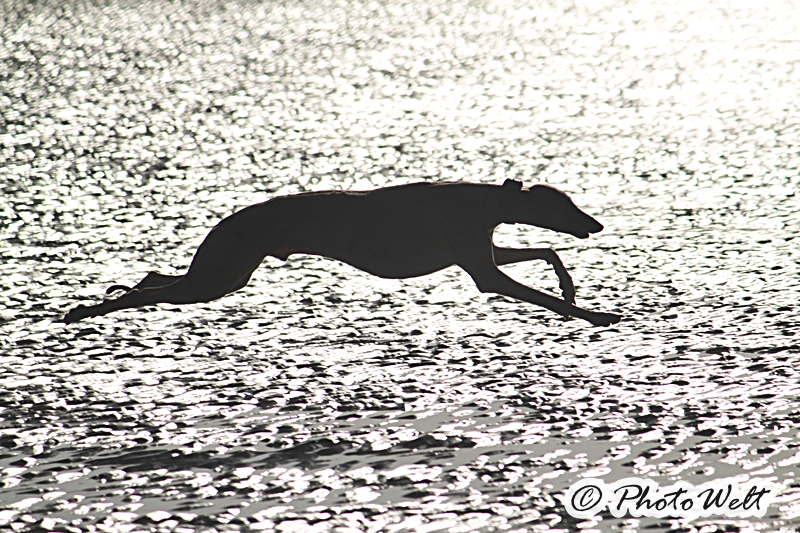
[322,399]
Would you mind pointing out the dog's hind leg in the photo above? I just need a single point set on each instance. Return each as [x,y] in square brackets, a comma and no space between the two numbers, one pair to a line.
[506,256]
[183,290]
[132,298]
[489,278]
[242,282]
[222,264]
[153,279]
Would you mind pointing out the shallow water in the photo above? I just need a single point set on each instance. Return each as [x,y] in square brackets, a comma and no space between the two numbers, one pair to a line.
[321,399]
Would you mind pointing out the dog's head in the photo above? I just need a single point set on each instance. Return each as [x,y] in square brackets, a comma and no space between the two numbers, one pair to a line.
[547,207]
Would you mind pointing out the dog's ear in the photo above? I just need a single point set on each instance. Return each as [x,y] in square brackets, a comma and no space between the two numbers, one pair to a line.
[512,185]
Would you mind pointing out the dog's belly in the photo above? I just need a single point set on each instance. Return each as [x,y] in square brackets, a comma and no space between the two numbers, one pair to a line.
[393,237]
[385,257]
[396,267]
[391,249]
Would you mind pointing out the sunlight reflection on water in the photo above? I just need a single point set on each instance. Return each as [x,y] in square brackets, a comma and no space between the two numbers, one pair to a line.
[320,398]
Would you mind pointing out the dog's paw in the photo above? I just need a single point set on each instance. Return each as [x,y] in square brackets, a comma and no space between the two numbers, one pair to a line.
[565,282]
[78,313]
[604,319]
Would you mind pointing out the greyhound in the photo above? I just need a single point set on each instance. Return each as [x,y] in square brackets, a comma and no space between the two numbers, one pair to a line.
[394,232]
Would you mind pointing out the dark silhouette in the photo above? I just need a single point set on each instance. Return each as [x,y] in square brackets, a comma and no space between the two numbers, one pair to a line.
[395,232]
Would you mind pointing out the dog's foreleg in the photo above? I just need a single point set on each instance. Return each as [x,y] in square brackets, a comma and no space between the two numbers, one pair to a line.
[506,256]
[489,278]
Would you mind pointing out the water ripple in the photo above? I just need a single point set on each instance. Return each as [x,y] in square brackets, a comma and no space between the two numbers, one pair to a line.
[321,399]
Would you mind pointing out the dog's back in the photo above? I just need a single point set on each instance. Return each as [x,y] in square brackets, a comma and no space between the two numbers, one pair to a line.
[396,232]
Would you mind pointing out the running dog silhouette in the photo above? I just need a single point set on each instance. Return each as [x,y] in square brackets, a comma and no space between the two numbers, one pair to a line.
[394,232]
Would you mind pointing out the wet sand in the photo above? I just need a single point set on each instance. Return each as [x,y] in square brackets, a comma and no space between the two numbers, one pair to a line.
[322,399]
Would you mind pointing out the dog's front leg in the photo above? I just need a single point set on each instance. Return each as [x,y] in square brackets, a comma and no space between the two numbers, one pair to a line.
[506,256]
[489,278]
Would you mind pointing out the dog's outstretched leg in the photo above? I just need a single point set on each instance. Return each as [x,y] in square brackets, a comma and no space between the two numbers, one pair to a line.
[506,256]
[151,280]
[489,278]
[182,291]
[132,298]
[222,264]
